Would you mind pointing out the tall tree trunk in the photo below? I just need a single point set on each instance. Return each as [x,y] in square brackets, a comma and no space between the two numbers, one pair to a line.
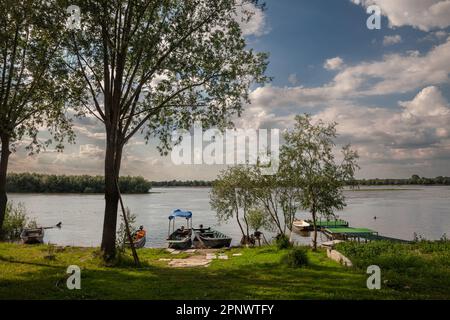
[3,171]
[113,158]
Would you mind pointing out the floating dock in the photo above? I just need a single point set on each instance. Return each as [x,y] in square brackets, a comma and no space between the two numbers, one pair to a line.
[347,233]
[324,224]
[357,234]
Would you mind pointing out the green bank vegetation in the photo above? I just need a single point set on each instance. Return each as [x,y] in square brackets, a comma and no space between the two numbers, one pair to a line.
[38,272]
[422,266]
[50,183]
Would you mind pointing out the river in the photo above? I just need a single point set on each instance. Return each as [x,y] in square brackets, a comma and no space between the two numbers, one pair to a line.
[400,212]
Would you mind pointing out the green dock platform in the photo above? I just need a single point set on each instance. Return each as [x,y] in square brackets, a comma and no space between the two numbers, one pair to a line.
[322,224]
[346,233]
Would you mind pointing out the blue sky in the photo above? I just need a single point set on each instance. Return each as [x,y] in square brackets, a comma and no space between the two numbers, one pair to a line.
[302,34]
[388,89]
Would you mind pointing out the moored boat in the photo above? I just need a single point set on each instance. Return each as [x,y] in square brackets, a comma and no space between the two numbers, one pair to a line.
[139,238]
[139,243]
[210,238]
[180,238]
[300,225]
[32,235]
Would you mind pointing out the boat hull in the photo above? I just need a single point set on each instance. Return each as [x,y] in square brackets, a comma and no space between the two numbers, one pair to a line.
[32,236]
[180,241]
[213,243]
[300,226]
[138,243]
[180,244]
[211,239]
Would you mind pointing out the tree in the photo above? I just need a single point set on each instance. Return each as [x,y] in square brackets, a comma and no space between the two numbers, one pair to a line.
[231,196]
[153,66]
[34,83]
[307,158]
[278,197]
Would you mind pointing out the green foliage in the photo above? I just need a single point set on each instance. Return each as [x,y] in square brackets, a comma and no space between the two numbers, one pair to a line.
[410,265]
[174,62]
[35,84]
[282,242]
[257,219]
[231,197]
[15,220]
[34,182]
[307,161]
[296,257]
[122,236]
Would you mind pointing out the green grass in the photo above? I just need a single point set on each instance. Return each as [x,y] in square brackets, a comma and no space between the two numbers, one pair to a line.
[422,267]
[26,273]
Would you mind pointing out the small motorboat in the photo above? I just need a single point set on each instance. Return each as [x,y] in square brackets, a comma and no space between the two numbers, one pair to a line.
[300,225]
[139,238]
[32,235]
[210,238]
[180,238]
[139,243]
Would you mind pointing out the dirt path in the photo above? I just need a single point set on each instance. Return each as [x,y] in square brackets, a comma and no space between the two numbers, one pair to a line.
[197,258]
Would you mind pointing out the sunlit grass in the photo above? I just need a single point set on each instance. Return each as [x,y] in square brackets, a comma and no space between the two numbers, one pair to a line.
[27,272]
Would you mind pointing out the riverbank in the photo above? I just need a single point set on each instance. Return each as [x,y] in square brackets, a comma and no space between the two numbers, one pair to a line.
[32,272]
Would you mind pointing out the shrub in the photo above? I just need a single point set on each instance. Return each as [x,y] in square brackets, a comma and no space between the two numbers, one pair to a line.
[296,257]
[15,220]
[282,242]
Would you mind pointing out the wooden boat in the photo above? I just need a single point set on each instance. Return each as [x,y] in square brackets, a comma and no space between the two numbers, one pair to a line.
[300,225]
[209,238]
[180,238]
[138,243]
[32,235]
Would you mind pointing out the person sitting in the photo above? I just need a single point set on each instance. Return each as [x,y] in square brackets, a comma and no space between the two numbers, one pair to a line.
[183,231]
[140,233]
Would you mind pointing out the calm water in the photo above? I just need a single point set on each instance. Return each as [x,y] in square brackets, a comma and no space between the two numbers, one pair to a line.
[400,213]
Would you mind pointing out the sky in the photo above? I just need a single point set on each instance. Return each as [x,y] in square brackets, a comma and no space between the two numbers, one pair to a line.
[388,90]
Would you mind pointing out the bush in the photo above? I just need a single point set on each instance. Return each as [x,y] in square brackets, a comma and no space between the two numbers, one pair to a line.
[282,242]
[296,257]
[15,220]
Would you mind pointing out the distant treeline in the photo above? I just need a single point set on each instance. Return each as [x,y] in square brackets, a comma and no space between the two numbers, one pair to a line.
[34,182]
[44,183]
[179,183]
[414,180]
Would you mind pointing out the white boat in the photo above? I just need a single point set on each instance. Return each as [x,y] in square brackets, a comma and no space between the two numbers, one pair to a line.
[300,225]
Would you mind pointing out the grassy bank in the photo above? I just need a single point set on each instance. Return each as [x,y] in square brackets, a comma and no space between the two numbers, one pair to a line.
[28,272]
[423,267]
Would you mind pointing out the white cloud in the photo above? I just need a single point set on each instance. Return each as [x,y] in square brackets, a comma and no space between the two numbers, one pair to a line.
[91,151]
[396,73]
[257,25]
[333,63]
[391,40]
[418,130]
[422,14]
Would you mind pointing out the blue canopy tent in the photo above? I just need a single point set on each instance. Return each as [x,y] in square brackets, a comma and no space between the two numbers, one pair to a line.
[181,214]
